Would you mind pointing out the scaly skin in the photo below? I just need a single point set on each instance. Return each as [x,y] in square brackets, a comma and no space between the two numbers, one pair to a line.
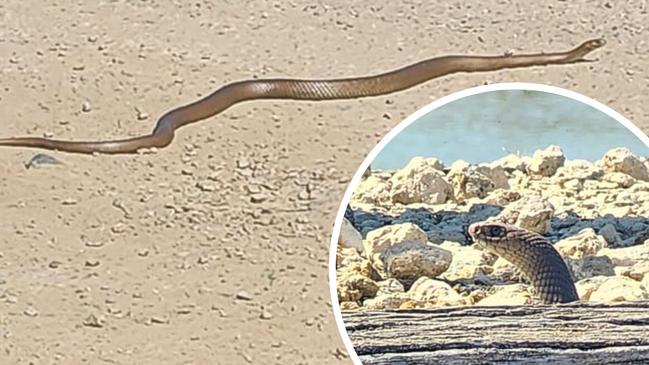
[296,89]
[533,255]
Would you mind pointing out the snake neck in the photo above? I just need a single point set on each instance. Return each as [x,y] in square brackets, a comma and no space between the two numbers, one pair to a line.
[533,255]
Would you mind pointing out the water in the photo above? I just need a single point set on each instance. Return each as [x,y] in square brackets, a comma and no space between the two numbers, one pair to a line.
[490,125]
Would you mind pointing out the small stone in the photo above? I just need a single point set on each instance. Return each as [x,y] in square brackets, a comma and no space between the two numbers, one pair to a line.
[243,295]
[421,181]
[93,321]
[585,243]
[514,294]
[30,312]
[118,228]
[86,107]
[92,263]
[243,164]
[622,160]
[546,162]
[206,186]
[610,234]
[258,198]
[141,115]
[590,266]
[265,315]
[619,289]
[409,260]
[94,244]
[380,239]
[159,320]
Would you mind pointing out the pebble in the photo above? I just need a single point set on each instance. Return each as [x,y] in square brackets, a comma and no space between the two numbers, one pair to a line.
[94,244]
[86,107]
[258,198]
[159,320]
[92,263]
[69,201]
[243,295]
[140,115]
[94,321]
[118,228]
[265,315]
[206,186]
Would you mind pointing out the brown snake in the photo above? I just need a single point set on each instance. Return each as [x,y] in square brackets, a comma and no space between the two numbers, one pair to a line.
[297,89]
[533,255]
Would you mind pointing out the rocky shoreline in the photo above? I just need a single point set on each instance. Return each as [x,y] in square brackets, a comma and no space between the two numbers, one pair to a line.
[404,243]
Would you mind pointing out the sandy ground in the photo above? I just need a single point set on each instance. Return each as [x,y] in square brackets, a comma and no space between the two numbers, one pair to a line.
[139,259]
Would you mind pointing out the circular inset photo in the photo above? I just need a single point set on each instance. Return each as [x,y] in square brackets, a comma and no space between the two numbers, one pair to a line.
[506,223]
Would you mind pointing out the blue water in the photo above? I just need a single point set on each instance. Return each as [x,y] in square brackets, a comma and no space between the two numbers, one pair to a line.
[490,125]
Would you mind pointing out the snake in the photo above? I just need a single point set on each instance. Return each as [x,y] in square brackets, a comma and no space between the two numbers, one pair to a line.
[531,253]
[305,89]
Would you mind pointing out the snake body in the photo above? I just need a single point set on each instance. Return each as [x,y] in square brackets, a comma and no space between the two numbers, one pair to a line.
[297,89]
[533,255]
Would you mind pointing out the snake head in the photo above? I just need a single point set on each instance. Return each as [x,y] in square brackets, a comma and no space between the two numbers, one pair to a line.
[577,54]
[492,236]
[593,44]
[488,231]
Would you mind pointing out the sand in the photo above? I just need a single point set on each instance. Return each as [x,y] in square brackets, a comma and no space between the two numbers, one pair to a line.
[140,259]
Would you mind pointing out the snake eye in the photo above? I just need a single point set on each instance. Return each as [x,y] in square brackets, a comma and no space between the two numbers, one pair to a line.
[496,231]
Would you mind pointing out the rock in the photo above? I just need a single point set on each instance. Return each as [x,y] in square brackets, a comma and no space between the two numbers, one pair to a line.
[585,243]
[496,174]
[507,295]
[431,292]
[380,239]
[531,212]
[502,197]
[619,289]
[389,286]
[610,235]
[638,271]
[468,182]
[409,260]
[626,256]
[349,236]
[349,306]
[467,262]
[546,162]
[355,287]
[243,295]
[506,272]
[348,257]
[622,160]
[386,301]
[576,172]
[590,266]
[374,190]
[586,287]
[421,181]
[511,162]
[449,232]
[619,179]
